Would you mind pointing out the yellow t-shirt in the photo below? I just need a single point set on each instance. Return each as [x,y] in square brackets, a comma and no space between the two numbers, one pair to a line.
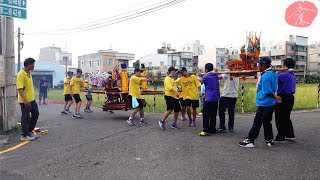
[24,81]
[66,87]
[190,87]
[134,87]
[169,84]
[76,84]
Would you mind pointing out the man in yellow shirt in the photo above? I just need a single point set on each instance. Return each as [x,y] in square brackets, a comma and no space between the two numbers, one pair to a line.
[183,107]
[27,101]
[66,92]
[76,84]
[135,95]
[172,99]
[190,91]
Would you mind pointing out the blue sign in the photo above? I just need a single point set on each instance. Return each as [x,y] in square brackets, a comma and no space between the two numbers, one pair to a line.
[14,3]
[13,12]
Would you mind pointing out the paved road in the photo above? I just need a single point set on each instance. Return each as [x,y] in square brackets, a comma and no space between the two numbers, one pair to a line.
[103,146]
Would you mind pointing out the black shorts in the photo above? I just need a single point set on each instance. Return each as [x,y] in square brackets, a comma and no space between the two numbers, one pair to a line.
[67,97]
[43,95]
[76,98]
[172,104]
[88,99]
[191,103]
[182,103]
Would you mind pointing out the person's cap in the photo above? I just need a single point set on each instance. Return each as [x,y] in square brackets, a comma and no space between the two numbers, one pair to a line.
[265,60]
[69,72]
[172,69]
[137,70]
[183,69]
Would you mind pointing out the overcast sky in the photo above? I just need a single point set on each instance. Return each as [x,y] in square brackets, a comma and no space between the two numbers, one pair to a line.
[212,22]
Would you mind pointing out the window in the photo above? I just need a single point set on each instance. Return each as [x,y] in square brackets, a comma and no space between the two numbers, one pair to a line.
[161,63]
[263,48]
[110,62]
[150,64]
[90,63]
[174,63]
[98,63]
[82,64]
[222,60]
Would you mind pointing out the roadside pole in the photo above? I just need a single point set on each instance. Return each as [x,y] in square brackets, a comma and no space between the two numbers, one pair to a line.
[9,92]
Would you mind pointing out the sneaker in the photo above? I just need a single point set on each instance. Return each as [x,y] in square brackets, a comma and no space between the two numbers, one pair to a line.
[162,125]
[290,138]
[246,143]
[33,135]
[63,112]
[76,116]
[221,130]
[200,114]
[86,110]
[230,130]
[279,140]
[194,123]
[68,111]
[203,134]
[175,126]
[129,121]
[190,123]
[183,119]
[110,112]
[270,143]
[142,121]
[26,138]
[89,110]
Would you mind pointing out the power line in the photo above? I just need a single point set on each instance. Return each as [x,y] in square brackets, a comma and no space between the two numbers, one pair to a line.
[112,20]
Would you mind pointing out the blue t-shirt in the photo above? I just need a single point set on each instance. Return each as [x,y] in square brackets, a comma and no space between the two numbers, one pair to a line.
[267,84]
[212,90]
[43,86]
[287,83]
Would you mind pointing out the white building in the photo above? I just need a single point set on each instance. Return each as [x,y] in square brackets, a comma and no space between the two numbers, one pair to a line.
[195,47]
[55,55]
[218,57]
[314,58]
[103,61]
[161,62]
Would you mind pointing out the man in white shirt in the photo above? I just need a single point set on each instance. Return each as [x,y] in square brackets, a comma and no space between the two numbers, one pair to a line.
[228,101]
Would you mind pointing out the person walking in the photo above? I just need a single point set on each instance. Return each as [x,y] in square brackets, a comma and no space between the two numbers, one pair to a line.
[43,88]
[190,91]
[68,101]
[26,99]
[172,99]
[76,84]
[286,90]
[266,100]
[135,95]
[211,98]
[228,101]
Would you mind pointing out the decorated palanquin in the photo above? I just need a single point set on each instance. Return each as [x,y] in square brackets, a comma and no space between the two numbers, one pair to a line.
[246,65]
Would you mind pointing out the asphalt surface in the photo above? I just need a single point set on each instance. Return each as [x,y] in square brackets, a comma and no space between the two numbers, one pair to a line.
[104,146]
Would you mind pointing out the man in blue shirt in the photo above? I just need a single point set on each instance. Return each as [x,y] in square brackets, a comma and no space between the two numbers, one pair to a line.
[211,98]
[286,89]
[266,100]
[43,87]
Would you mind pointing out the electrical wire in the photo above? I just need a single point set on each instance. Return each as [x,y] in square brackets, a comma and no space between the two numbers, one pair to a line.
[111,20]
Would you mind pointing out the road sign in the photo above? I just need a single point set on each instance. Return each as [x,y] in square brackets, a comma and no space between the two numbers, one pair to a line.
[13,12]
[15,3]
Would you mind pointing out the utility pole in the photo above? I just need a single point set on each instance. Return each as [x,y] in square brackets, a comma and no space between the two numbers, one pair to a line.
[20,47]
[9,90]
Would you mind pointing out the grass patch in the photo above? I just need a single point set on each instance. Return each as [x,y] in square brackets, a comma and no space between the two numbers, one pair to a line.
[305,98]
